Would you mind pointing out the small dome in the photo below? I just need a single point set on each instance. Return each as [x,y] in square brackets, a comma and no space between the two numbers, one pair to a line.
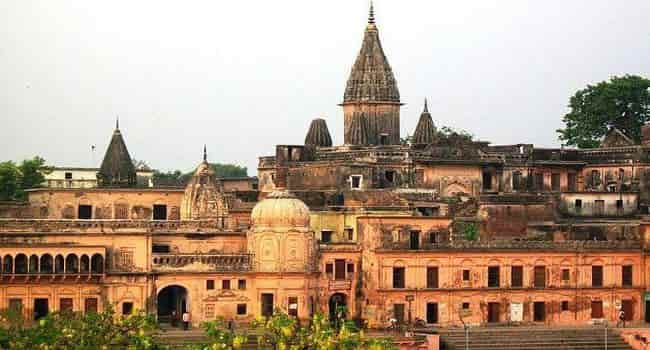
[280,209]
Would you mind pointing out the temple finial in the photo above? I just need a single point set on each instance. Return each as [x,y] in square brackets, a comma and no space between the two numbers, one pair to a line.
[426,106]
[371,15]
[117,123]
[205,153]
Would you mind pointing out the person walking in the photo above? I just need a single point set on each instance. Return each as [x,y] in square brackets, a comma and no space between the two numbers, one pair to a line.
[621,318]
[174,318]
[186,320]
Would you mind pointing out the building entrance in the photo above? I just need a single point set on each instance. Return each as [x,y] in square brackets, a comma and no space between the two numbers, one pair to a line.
[172,303]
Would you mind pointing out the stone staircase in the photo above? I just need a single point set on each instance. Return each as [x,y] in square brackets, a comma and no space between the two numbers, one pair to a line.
[178,339]
[532,338]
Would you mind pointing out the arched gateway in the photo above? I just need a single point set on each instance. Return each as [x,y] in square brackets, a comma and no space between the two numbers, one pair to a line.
[338,302]
[172,299]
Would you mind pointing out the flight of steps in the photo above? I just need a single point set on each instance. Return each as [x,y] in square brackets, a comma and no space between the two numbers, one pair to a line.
[178,339]
[532,338]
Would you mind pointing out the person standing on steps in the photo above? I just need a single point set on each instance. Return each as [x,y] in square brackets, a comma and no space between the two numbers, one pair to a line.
[621,318]
[186,320]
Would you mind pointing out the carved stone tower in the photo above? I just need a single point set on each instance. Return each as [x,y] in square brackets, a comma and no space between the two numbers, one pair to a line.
[117,169]
[372,94]
[203,198]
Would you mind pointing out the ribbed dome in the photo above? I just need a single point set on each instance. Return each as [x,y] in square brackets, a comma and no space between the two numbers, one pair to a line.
[280,209]
[425,132]
[318,134]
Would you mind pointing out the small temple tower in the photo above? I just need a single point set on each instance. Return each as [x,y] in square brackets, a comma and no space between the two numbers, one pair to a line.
[318,134]
[372,92]
[117,169]
[425,131]
[203,198]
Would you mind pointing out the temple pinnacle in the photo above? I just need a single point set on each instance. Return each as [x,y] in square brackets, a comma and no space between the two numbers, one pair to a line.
[117,123]
[371,15]
[205,153]
[426,106]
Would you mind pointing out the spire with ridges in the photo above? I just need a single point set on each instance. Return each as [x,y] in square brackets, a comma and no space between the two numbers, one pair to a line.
[358,129]
[117,169]
[318,134]
[425,131]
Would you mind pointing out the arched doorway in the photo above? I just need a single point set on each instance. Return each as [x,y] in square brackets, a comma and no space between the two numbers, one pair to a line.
[172,300]
[338,303]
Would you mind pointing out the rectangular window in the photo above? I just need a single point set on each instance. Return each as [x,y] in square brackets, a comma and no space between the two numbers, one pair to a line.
[465,306]
[68,176]
[493,276]
[539,311]
[326,236]
[487,180]
[619,204]
[465,275]
[596,276]
[432,313]
[159,212]
[349,233]
[540,276]
[66,305]
[390,176]
[578,204]
[85,212]
[565,305]
[555,182]
[293,306]
[398,311]
[355,181]
[432,277]
[339,269]
[539,181]
[517,182]
[127,308]
[517,277]
[351,268]
[209,284]
[241,309]
[225,284]
[329,268]
[627,276]
[241,284]
[572,182]
[566,275]
[90,305]
[399,277]
[160,248]
[599,207]
[414,242]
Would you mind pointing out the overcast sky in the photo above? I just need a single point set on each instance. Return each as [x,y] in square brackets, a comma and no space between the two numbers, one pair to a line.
[243,76]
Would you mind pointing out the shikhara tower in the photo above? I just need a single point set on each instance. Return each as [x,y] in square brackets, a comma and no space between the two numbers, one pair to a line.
[371,103]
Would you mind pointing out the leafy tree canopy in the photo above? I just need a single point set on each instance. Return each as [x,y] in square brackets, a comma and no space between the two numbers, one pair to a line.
[177,177]
[16,178]
[621,102]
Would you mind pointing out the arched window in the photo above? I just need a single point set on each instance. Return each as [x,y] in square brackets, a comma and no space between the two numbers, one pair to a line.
[21,263]
[85,264]
[59,264]
[47,263]
[8,264]
[71,263]
[97,263]
[33,264]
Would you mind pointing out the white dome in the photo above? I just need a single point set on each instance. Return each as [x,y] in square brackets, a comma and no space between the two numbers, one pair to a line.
[280,209]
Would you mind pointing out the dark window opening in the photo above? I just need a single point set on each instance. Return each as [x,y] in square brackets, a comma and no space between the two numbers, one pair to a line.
[494,311]
[160,248]
[465,275]
[566,275]
[565,305]
[539,181]
[596,309]
[432,312]
[414,242]
[398,311]
[350,268]
[66,305]
[326,236]
[329,268]
[160,212]
[517,276]
[225,284]
[41,308]
[85,212]
[241,309]
[487,180]
[90,305]
[572,182]
[241,284]
[493,276]
[267,304]
[599,207]
[517,181]
[540,276]
[596,276]
[339,269]
[349,233]
[432,277]
[627,276]
[293,306]
[465,306]
[619,204]
[578,204]
[399,277]
[209,284]
[539,311]
[390,176]
[127,308]
[68,176]
[355,181]
[383,139]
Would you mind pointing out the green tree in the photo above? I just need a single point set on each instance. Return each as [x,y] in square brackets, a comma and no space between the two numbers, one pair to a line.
[621,102]
[9,175]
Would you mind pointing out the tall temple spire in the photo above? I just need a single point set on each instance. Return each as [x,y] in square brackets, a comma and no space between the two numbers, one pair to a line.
[425,131]
[318,134]
[117,169]
[371,89]
[205,153]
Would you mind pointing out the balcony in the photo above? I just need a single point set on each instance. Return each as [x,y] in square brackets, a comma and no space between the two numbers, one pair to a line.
[69,264]
[111,226]
[201,262]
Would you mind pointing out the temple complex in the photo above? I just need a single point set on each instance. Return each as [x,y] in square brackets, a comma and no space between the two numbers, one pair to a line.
[439,227]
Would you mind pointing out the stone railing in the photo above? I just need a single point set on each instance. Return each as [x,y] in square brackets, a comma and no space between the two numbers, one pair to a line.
[517,245]
[115,226]
[201,262]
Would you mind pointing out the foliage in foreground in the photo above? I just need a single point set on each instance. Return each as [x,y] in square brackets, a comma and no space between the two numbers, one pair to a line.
[76,331]
[282,332]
